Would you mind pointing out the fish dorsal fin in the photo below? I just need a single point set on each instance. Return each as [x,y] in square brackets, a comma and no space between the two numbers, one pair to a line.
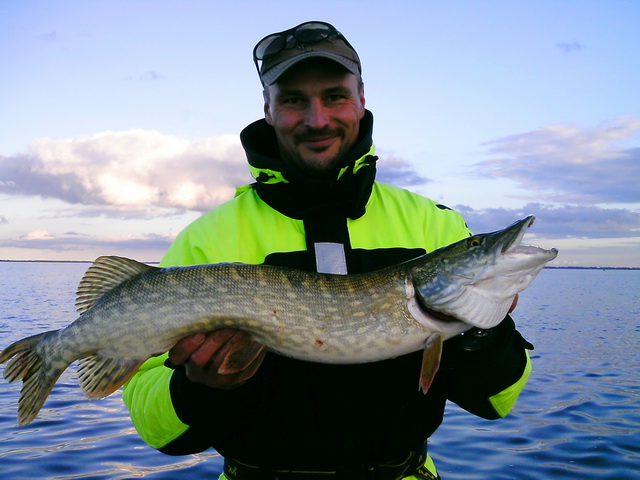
[104,275]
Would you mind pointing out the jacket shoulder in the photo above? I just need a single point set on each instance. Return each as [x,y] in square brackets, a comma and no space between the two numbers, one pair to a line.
[409,220]
[242,230]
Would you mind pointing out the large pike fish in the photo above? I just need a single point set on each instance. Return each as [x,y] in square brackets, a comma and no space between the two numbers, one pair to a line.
[130,311]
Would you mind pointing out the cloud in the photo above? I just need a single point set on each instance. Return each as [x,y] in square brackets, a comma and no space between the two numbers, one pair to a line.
[140,173]
[119,212]
[571,164]
[37,235]
[148,76]
[72,241]
[568,221]
[48,36]
[568,47]
[578,231]
[398,171]
[126,170]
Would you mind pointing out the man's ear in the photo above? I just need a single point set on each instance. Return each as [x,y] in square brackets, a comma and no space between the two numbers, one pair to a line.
[267,110]
[267,114]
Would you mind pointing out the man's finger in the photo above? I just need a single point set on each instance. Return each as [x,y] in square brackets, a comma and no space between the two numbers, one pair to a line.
[182,350]
[242,355]
[214,345]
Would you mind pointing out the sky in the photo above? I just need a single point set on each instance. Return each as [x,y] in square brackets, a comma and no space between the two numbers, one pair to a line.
[119,120]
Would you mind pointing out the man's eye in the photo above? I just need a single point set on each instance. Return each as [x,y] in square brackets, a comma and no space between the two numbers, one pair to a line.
[292,101]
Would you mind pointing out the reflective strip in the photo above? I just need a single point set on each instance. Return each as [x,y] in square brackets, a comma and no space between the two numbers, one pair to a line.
[330,258]
[429,465]
[425,472]
[504,401]
[272,176]
[361,162]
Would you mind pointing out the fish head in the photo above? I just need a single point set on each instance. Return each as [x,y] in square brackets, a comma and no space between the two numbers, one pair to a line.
[476,279]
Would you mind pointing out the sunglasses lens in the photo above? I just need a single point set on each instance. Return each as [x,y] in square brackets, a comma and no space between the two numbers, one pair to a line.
[269,46]
[307,33]
[312,32]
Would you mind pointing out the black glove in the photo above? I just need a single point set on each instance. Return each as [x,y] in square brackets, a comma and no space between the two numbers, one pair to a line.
[479,363]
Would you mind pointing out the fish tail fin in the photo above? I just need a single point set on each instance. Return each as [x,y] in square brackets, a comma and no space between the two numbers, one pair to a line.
[101,375]
[37,374]
[430,361]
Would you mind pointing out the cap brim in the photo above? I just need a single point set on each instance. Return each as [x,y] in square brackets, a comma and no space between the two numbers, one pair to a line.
[271,76]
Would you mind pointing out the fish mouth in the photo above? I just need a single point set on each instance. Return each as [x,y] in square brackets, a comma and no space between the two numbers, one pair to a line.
[512,238]
[428,316]
[515,233]
[480,282]
[442,317]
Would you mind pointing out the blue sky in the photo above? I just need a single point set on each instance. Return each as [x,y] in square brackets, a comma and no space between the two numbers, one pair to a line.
[120,119]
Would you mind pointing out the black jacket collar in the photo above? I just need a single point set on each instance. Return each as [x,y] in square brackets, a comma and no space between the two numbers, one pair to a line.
[299,194]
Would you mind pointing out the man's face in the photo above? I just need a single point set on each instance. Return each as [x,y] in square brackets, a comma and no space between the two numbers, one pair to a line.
[315,108]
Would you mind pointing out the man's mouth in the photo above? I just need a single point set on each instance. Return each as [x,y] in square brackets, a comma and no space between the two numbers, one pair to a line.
[318,139]
[318,142]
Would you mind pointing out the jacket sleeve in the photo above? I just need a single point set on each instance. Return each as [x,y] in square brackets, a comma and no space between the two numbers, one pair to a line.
[147,395]
[484,371]
[159,420]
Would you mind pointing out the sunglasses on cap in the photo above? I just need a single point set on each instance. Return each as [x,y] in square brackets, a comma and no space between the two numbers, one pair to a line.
[306,33]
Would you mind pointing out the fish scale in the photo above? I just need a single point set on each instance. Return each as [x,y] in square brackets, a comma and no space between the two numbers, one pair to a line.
[130,311]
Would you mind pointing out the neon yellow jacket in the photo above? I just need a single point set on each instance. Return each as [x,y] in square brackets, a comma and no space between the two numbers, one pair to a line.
[294,411]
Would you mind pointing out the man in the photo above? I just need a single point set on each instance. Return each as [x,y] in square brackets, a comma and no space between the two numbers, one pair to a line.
[315,206]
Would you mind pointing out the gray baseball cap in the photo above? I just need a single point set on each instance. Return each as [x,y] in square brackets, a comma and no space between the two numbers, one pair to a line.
[276,53]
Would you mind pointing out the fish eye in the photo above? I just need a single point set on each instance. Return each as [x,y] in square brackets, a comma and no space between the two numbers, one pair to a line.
[474,241]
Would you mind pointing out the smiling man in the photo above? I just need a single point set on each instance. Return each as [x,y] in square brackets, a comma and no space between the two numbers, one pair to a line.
[315,109]
[315,205]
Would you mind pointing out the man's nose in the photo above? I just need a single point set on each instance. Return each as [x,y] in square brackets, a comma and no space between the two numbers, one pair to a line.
[317,114]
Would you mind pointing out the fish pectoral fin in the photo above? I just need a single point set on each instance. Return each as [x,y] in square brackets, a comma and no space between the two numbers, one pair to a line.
[243,355]
[430,361]
[100,375]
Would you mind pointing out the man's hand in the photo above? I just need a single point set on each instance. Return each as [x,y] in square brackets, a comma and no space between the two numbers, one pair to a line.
[224,358]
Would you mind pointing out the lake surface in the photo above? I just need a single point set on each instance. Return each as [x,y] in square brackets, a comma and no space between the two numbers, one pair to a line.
[578,417]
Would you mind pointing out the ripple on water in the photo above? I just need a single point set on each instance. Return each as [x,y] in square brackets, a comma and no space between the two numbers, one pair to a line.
[579,416]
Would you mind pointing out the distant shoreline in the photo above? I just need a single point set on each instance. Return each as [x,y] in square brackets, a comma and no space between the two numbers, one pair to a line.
[591,268]
[547,267]
[46,261]
[59,261]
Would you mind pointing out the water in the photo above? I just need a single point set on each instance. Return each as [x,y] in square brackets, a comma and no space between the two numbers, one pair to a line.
[579,416]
